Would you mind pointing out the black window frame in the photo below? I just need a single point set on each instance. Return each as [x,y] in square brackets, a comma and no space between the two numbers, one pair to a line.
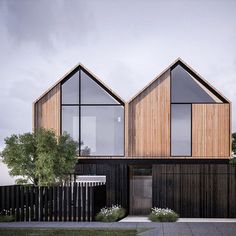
[222,99]
[119,104]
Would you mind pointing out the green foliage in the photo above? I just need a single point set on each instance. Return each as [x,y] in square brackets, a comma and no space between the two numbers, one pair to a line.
[5,216]
[110,214]
[40,157]
[163,215]
[233,161]
[234,143]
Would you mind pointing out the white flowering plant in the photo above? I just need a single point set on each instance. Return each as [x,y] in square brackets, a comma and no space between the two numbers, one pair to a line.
[110,214]
[163,215]
[6,216]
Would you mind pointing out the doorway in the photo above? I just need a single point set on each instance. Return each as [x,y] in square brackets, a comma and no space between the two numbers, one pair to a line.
[140,190]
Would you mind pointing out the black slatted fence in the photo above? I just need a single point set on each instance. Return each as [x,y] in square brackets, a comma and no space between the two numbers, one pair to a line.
[75,202]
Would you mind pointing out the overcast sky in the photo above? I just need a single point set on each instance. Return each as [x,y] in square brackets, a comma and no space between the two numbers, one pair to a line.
[125,43]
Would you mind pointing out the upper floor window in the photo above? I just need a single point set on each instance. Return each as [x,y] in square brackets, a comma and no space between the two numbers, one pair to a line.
[186,89]
[70,90]
[93,116]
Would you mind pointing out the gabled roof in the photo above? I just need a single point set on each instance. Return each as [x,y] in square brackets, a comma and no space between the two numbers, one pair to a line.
[94,77]
[179,61]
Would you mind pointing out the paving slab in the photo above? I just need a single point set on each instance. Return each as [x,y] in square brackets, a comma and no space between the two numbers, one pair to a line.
[176,229]
[157,229]
[152,232]
[212,220]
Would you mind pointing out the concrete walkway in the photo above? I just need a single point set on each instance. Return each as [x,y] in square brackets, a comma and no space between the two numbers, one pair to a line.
[202,220]
[157,229]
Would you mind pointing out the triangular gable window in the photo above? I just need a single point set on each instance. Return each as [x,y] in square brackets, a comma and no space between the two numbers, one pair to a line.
[93,93]
[70,90]
[186,89]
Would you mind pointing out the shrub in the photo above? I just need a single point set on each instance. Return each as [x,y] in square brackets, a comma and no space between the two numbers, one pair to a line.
[5,216]
[110,214]
[163,215]
[233,161]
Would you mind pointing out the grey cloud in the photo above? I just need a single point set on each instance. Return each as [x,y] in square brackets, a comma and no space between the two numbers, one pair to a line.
[43,22]
[125,43]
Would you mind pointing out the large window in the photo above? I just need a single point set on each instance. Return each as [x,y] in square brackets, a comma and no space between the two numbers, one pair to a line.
[181,130]
[70,90]
[92,116]
[186,89]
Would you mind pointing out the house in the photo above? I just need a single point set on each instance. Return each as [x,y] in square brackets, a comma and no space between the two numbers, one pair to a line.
[169,146]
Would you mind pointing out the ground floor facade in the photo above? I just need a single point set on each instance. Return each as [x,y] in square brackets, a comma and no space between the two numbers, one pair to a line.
[193,188]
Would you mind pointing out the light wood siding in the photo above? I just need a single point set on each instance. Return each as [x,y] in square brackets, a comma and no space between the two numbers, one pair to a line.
[211,130]
[126,124]
[149,120]
[47,111]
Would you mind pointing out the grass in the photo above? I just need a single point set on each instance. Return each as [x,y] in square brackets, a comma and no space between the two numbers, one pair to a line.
[65,232]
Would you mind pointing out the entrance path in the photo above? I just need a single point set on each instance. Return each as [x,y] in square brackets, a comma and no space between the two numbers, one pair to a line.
[156,229]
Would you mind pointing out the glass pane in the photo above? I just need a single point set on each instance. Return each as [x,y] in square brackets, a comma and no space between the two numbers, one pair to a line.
[70,121]
[102,130]
[93,93]
[181,129]
[185,89]
[70,90]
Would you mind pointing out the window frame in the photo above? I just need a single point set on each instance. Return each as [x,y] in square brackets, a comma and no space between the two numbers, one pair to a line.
[191,103]
[79,105]
[191,127]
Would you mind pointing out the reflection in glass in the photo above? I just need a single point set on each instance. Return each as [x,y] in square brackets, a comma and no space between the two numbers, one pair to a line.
[93,93]
[70,121]
[181,129]
[185,88]
[70,90]
[102,130]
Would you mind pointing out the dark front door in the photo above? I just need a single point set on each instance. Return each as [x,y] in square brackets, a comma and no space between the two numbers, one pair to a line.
[140,190]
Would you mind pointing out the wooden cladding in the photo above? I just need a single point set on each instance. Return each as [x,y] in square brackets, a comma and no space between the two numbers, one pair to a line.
[149,120]
[47,111]
[211,130]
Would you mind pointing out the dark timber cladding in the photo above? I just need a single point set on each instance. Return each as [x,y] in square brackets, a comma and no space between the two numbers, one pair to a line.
[116,180]
[54,203]
[193,189]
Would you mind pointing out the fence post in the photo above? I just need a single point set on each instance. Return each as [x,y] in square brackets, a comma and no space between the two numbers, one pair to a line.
[74,200]
[26,203]
[50,203]
[13,200]
[55,202]
[60,203]
[65,202]
[22,203]
[79,202]
[69,201]
[32,203]
[41,203]
[37,203]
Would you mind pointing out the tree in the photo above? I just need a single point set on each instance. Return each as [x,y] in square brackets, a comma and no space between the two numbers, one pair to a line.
[234,143]
[40,158]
